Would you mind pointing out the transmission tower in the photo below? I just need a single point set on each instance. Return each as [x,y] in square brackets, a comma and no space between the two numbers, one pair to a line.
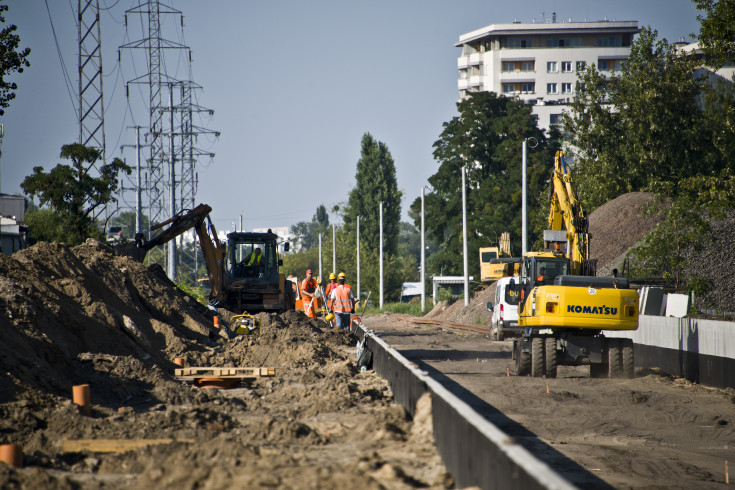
[91,100]
[171,172]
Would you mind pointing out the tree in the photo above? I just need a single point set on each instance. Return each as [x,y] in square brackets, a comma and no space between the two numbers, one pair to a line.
[375,181]
[73,193]
[12,60]
[642,126]
[486,137]
[306,234]
[692,203]
[717,30]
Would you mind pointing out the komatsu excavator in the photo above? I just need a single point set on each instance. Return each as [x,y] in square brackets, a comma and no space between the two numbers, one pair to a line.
[237,284]
[564,308]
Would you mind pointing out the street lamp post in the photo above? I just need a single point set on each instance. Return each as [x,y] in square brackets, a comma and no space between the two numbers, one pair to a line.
[358,259]
[524,213]
[464,237]
[334,248]
[320,255]
[381,255]
[423,255]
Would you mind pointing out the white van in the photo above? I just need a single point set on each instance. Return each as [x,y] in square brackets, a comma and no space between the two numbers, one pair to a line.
[505,310]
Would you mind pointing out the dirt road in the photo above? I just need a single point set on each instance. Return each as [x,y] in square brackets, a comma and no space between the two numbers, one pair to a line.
[652,431]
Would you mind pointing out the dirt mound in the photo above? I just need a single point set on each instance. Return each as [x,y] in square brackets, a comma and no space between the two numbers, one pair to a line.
[475,313]
[85,315]
[616,226]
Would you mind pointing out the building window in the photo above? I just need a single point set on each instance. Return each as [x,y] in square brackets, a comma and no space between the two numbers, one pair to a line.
[566,88]
[518,43]
[554,119]
[528,88]
[509,66]
[564,42]
[610,42]
[566,66]
[551,88]
[509,88]
[619,65]
[551,67]
[581,65]
[602,65]
[528,66]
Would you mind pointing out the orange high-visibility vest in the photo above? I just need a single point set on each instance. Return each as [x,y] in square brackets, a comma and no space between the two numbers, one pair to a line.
[342,302]
[308,286]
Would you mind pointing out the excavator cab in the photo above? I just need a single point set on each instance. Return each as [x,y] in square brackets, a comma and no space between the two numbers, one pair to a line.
[252,257]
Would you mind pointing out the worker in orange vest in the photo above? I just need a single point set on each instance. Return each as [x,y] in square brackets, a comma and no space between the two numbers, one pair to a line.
[343,301]
[308,292]
[330,287]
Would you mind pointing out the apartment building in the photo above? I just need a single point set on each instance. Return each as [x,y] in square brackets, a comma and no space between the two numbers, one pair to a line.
[539,62]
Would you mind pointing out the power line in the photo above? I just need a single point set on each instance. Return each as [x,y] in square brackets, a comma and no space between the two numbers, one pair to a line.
[67,79]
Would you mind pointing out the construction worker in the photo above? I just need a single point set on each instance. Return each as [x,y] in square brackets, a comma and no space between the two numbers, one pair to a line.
[308,293]
[332,284]
[254,259]
[343,301]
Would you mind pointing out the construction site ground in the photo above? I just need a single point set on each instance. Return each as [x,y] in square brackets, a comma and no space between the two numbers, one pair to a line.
[85,316]
[652,432]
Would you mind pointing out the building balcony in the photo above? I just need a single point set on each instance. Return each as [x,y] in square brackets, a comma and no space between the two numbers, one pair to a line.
[475,81]
[463,62]
[463,84]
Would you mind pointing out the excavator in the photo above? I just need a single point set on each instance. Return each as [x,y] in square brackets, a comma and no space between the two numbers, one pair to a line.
[564,308]
[497,262]
[237,283]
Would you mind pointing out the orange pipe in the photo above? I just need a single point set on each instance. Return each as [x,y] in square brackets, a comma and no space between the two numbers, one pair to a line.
[216,321]
[11,454]
[179,361]
[81,397]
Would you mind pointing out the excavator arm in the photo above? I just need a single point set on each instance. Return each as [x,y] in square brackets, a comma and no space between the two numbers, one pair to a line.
[566,210]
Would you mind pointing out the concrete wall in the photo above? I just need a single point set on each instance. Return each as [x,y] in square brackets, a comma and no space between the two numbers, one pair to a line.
[702,351]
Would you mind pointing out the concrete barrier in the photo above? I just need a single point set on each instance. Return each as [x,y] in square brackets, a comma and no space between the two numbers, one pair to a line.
[475,451]
[702,351]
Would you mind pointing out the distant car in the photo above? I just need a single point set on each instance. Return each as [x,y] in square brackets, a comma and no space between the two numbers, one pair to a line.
[114,234]
[504,320]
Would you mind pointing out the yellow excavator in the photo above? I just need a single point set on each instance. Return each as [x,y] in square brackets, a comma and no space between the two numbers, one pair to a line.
[237,283]
[497,262]
[564,308]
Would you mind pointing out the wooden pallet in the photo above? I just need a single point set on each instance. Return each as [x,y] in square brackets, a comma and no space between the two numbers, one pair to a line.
[194,373]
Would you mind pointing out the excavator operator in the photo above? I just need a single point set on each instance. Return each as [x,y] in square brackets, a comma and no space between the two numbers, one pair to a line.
[252,261]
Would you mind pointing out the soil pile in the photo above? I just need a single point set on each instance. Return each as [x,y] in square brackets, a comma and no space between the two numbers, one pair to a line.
[84,315]
[616,226]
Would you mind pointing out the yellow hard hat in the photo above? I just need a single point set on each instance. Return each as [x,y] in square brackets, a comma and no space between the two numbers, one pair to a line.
[342,274]
[332,276]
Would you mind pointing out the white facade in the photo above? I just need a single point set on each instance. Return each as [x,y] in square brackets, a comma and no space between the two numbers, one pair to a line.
[539,62]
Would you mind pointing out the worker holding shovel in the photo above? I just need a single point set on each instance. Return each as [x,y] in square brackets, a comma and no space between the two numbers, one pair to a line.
[308,294]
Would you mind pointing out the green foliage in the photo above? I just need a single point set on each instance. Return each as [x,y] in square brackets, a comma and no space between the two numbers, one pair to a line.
[645,125]
[47,225]
[413,309]
[717,30]
[74,194]
[197,293]
[375,181]
[444,294]
[693,202]
[306,234]
[12,60]
[486,136]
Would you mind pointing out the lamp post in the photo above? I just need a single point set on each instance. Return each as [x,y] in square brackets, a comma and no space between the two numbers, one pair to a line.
[524,214]
[320,255]
[358,259]
[423,254]
[464,237]
[334,248]
[380,248]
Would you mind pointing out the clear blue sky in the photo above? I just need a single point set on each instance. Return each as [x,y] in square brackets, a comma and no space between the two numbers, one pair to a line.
[294,85]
